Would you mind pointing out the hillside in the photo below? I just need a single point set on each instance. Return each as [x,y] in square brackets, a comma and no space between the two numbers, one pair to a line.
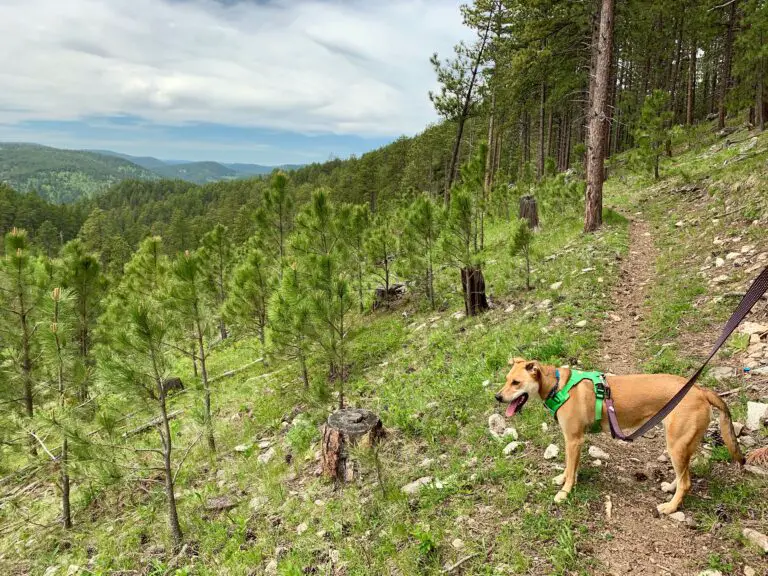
[63,176]
[609,301]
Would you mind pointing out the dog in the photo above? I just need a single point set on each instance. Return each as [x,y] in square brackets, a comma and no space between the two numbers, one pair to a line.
[636,398]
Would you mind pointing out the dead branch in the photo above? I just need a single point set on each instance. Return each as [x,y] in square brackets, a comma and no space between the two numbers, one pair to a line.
[151,424]
[230,373]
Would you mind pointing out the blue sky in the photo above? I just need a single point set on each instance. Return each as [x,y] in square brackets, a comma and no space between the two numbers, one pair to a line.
[268,82]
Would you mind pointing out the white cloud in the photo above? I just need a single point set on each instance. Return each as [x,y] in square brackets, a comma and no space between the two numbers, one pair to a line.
[347,67]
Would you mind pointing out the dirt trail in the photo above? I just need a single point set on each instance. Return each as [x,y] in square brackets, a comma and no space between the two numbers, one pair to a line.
[636,541]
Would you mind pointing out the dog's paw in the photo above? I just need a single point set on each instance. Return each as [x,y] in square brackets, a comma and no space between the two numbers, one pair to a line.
[561,496]
[559,480]
[666,508]
[668,487]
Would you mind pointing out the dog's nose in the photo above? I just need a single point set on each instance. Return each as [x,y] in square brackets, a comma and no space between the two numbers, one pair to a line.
[499,398]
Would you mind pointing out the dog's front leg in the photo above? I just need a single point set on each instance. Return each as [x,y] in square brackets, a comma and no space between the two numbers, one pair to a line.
[572,456]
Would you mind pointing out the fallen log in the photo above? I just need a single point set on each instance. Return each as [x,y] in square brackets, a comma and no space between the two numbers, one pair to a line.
[151,424]
[230,373]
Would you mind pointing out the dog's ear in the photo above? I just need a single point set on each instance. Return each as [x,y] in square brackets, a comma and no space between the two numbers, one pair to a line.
[513,361]
[532,368]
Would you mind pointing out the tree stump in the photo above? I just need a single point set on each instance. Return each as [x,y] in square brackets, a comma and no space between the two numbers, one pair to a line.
[529,211]
[473,286]
[382,296]
[346,428]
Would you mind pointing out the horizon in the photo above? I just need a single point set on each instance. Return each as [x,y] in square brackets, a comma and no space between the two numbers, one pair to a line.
[232,81]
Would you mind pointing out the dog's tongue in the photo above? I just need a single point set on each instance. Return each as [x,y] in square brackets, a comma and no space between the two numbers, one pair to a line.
[513,406]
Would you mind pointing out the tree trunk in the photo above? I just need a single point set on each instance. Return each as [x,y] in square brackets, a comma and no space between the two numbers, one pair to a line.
[473,285]
[206,390]
[725,76]
[597,119]
[66,514]
[760,103]
[690,104]
[344,429]
[304,371]
[529,211]
[173,515]
[540,159]
[465,111]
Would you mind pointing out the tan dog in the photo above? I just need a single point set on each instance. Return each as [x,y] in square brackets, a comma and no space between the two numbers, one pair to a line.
[636,398]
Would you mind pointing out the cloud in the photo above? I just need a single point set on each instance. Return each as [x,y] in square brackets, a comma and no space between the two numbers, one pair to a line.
[309,66]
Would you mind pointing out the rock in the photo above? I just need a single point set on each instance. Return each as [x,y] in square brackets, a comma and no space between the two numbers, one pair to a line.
[757,470]
[757,538]
[301,528]
[544,427]
[596,452]
[710,573]
[511,447]
[662,458]
[551,452]
[415,486]
[581,324]
[427,462]
[264,444]
[756,412]
[267,456]
[614,317]
[753,328]
[486,383]
[721,373]
[668,487]
[510,432]
[749,571]
[51,571]
[747,441]
[738,428]
[472,462]
[678,516]
[496,425]
[749,144]
[679,223]
[458,315]
[271,568]
[544,304]
[721,279]
[73,569]
[509,309]
[258,502]
[458,544]
[242,447]
[731,255]
[220,503]
[597,462]
[555,286]
[719,262]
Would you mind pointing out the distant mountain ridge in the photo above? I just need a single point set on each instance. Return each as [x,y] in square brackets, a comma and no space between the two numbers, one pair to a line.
[64,176]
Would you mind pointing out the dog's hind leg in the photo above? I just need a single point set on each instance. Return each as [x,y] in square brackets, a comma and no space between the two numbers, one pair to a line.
[572,456]
[682,442]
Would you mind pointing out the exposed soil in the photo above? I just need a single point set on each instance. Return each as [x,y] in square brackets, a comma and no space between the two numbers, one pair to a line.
[636,540]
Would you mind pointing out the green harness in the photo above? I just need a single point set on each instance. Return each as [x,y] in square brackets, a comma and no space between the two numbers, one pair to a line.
[557,398]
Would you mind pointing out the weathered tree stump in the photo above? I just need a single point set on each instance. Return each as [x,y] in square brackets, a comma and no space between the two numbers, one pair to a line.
[473,286]
[383,296]
[529,210]
[346,428]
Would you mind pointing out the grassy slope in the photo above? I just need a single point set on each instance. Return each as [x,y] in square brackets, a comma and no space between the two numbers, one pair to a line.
[425,376]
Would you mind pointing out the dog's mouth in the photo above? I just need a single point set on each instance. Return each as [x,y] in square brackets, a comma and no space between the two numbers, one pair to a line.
[517,404]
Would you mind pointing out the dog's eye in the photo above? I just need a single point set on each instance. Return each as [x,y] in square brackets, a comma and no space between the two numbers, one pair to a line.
[515,382]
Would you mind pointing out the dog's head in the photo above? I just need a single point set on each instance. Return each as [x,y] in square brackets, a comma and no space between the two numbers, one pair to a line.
[523,380]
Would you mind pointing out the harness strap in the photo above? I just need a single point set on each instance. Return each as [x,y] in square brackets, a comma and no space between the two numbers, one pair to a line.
[755,292]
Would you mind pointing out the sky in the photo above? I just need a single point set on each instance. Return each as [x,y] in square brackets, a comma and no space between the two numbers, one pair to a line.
[260,81]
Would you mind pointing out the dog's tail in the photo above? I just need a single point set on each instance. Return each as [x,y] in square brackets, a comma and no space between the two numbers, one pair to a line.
[726,425]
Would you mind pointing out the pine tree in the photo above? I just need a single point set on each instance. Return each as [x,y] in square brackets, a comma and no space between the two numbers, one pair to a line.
[60,354]
[249,293]
[275,219]
[191,304]
[80,271]
[522,244]
[381,247]
[216,254]
[289,320]
[653,130]
[22,287]
[420,241]
[356,220]
[134,354]
[322,261]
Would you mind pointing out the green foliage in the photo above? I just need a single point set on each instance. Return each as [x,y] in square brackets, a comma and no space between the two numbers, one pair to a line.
[248,297]
[653,130]
[421,233]
[381,248]
[522,245]
[275,219]
[216,258]
[355,221]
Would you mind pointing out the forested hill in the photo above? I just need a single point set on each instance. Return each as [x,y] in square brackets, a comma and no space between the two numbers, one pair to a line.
[65,176]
